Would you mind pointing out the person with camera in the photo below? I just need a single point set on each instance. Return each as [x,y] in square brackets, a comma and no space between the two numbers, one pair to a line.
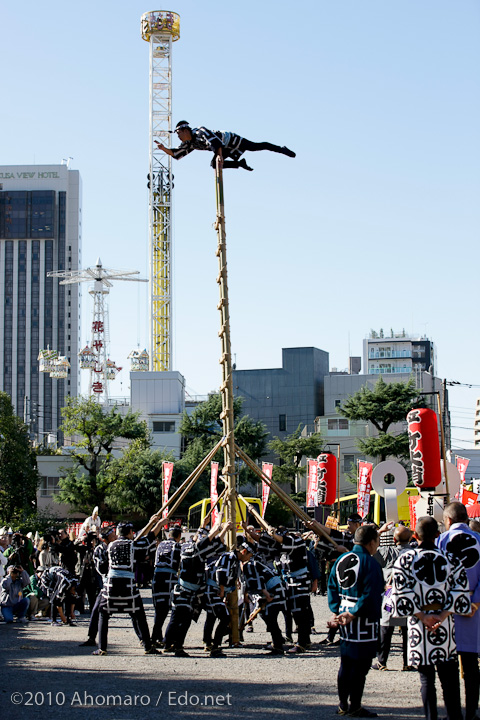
[66,549]
[21,552]
[12,598]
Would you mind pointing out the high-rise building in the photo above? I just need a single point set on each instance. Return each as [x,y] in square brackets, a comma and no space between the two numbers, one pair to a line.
[40,231]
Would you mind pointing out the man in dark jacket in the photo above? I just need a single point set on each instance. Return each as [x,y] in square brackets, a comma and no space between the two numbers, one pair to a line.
[355,589]
[222,144]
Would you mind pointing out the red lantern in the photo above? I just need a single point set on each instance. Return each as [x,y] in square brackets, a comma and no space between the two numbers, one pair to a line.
[424,448]
[327,478]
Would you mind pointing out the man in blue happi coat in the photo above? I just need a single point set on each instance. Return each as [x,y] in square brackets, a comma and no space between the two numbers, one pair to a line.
[355,589]
[464,543]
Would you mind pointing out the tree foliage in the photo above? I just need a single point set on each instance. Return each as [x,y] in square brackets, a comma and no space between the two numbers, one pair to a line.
[203,429]
[88,483]
[19,478]
[383,406]
[291,450]
[135,479]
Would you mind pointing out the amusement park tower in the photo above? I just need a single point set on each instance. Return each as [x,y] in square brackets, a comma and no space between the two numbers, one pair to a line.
[160,29]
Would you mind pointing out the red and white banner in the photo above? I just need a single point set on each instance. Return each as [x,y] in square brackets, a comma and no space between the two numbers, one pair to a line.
[167,468]
[213,492]
[326,478]
[312,486]
[462,464]
[364,486]
[412,502]
[267,469]
[467,497]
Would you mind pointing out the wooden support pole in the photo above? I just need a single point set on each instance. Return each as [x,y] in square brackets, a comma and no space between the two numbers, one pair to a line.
[226,388]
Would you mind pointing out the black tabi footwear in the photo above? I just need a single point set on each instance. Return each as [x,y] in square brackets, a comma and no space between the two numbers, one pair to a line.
[88,643]
[151,651]
[362,713]
[243,164]
[181,653]
[217,652]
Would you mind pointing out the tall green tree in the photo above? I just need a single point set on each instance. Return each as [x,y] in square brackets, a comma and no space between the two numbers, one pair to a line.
[291,450]
[87,482]
[383,406]
[135,479]
[203,429]
[19,478]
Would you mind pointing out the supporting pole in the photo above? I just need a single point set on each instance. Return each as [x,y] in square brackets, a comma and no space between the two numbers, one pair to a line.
[226,387]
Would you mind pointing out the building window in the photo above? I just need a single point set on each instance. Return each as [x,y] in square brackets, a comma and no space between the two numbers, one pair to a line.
[163,427]
[49,486]
[338,403]
[348,463]
[282,423]
[337,424]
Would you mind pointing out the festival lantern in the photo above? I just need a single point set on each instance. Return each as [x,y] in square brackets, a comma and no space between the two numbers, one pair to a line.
[424,448]
[327,478]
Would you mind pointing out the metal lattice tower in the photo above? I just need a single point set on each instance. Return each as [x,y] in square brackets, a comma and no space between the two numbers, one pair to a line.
[160,29]
[95,357]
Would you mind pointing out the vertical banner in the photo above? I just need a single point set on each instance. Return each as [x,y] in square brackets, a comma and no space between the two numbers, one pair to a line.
[213,492]
[327,478]
[312,486]
[267,469]
[365,470]
[462,464]
[167,468]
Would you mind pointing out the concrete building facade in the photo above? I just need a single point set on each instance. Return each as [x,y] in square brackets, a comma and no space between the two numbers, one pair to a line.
[398,353]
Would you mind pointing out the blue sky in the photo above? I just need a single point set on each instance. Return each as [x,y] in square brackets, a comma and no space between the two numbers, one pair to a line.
[374,224]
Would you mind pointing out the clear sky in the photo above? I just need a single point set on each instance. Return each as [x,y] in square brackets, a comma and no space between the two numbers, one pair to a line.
[375,224]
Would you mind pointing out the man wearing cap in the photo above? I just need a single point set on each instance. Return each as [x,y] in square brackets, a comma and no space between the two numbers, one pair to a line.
[120,593]
[100,560]
[222,144]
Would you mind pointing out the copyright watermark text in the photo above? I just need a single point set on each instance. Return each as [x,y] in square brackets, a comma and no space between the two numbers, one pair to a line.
[85,699]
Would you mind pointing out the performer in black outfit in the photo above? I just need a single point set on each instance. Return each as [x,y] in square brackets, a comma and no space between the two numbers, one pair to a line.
[100,559]
[222,580]
[167,562]
[120,593]
[266,586]
[187,593]
[294,563]
[222,144]
[60,588]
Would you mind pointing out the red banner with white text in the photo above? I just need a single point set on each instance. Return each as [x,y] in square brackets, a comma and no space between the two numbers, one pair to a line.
[364,486]
[267,469]
[167,468]
[462,464]
[467,497]
[312,486]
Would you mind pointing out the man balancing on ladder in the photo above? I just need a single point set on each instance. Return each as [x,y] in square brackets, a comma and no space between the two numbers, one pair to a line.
[223,144]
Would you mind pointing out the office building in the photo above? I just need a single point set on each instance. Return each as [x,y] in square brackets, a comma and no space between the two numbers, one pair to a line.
[40,231]
[398,353]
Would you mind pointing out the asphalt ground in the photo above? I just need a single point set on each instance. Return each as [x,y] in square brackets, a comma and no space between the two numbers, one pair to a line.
[45,674]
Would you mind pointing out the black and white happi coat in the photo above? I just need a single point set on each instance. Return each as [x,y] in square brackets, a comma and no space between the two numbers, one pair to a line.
[205,139]
[55,583]
[223,571]
[425,579]
[120,593]
[191,582]
[258,577]
[100,560]
[268,550]
[167,563]
[294,565]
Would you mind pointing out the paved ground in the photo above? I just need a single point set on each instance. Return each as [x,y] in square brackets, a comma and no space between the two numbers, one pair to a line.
[45,674]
